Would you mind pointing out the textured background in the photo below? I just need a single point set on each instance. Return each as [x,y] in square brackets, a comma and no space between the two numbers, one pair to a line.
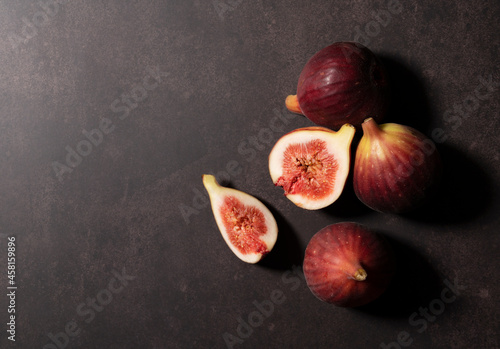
[135,204]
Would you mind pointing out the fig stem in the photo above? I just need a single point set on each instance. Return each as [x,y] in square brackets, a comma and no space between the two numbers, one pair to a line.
[360,275]
[210,183]
[347,131]
[292,104]
[370,127]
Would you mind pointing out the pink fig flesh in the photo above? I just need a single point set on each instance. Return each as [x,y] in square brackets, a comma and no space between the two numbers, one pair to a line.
[245,223]
[244,226]
[312,164]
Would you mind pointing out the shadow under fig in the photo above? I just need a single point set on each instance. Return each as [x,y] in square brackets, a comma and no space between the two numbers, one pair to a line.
[415,284]
[287,251]
[348,206]
[464,191]
[409,101]
[463,194]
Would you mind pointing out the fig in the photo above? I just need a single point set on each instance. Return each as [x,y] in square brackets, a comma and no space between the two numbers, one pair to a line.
[348,265]
[396,167]
[342,83]
[246,224]
[312,164]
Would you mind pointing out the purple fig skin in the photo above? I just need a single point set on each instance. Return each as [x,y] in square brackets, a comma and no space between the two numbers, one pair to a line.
[348,265]
[396,167]
[343,83]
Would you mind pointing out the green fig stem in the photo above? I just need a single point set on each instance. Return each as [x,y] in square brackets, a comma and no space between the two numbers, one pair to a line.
[292,104]
[360,275]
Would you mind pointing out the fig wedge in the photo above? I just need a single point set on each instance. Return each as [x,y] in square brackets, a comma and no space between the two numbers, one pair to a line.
[312,164]
[246,224]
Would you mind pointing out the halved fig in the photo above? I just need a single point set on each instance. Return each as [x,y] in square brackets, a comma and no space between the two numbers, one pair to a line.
[312,164]
[246,224]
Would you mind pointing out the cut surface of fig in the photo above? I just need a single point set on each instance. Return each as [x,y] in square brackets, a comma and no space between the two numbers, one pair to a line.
[348,265]
[396,167]
[246,224]
[342,83]
[311,164]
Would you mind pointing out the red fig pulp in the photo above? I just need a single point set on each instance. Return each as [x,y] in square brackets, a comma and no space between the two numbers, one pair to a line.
[396,167]
[343,83]
[312,164]
[246,224]
[348,265]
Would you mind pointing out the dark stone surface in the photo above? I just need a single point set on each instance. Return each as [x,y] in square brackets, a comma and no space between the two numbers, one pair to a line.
[135,203]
